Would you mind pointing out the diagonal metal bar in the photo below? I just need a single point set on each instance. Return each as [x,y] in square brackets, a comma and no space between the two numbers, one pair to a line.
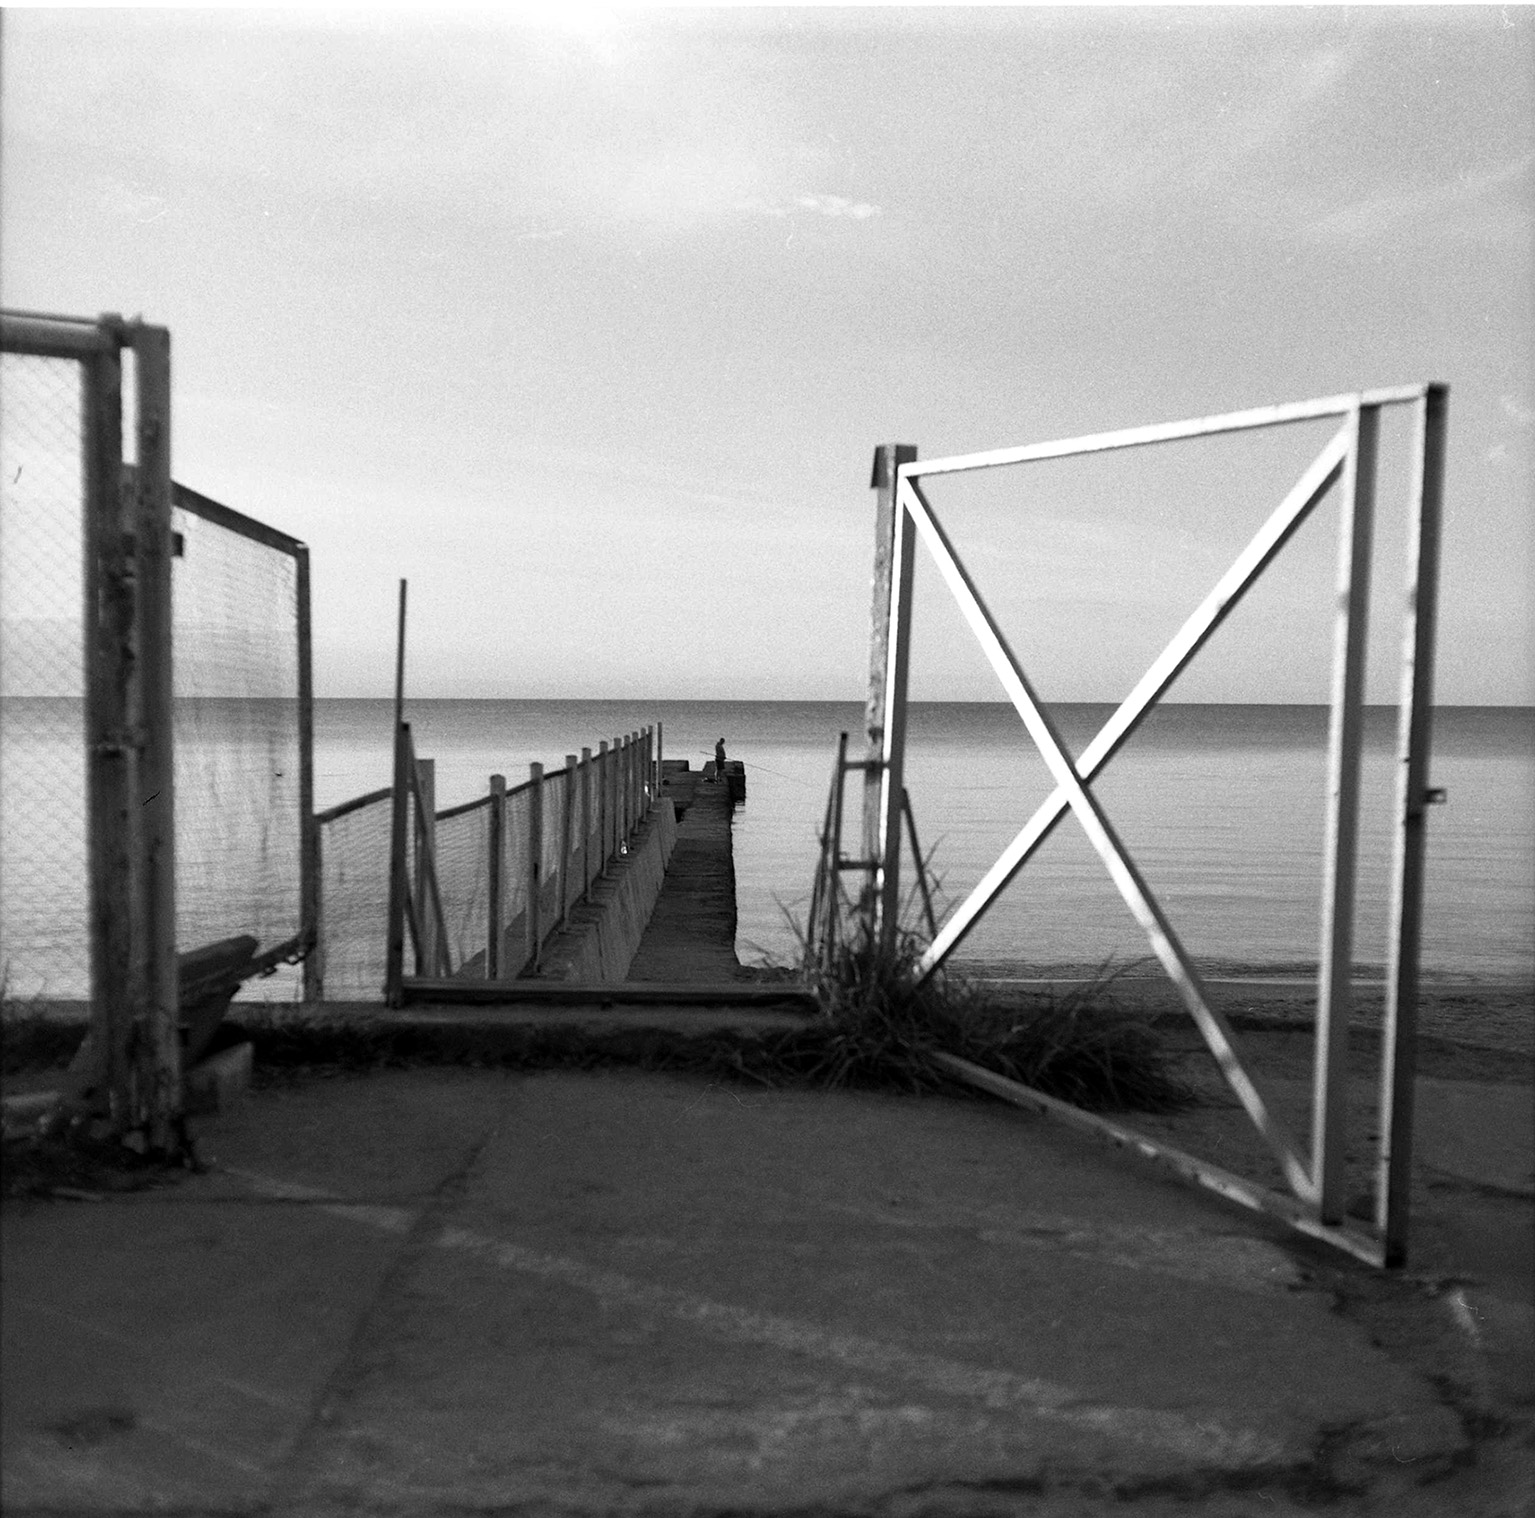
[1100,833]
[1313,485]
[1167,432]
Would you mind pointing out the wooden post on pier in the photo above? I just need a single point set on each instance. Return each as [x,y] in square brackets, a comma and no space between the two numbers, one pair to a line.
[586,824]
[604,809]
[567,829]
[496,849]
[426,848]
[535,860]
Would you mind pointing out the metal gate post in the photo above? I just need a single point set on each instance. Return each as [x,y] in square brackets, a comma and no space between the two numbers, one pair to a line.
[157,1053]
[110,638]
[1329,1110]
[888,458]
[1399,1033]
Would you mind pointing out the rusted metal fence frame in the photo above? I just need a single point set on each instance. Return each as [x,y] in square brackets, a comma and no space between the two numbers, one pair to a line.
[301,945]
[133,1055]
[1316,1207]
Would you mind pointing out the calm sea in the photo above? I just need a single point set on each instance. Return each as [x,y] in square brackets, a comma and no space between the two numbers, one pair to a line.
[1222,807]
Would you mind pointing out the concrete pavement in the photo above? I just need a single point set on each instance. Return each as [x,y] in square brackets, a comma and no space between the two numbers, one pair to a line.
[470,1291]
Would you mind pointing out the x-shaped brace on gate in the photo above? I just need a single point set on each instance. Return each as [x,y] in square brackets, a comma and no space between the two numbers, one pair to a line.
[1340,456]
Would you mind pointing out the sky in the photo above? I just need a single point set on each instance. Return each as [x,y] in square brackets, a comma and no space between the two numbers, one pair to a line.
[588,322]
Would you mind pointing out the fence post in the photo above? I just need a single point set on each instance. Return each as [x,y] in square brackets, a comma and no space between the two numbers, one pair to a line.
[160,1056]
[496,849]
[309,842]
[110,660]
[888,458]
[314,960]
[602,807]
[535,860]
[426,844]
[635,740]
[567,827]
[621,781]
[586,823]
[399,876]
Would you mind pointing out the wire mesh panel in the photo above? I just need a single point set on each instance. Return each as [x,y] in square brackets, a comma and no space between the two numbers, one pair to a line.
[238,731]
[574,885]
[44,945]
[552,866]
[462,857]
[354,874]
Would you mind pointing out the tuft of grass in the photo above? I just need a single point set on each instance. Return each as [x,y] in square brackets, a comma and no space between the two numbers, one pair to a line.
[880,1025]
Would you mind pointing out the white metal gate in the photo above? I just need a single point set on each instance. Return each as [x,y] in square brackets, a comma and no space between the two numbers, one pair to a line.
[1316,1203]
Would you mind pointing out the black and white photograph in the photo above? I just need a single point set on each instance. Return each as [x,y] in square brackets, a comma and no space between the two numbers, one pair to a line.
[767,761]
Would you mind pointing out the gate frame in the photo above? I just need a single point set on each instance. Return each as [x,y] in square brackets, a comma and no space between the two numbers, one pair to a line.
[131,1065]
[301,946]
[1317,1205]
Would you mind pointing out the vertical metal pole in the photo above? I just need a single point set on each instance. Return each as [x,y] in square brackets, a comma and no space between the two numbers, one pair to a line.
[399,662]
[888,457]
[310,880]
[427,949]
[893,776]
[159,1051]
[111,645]
[535,861]
[1345,740]
[1399,1035]
[399,880]
[496,849]
[586,823]
[659,766]
[834,856]
[567,829]
[314,961]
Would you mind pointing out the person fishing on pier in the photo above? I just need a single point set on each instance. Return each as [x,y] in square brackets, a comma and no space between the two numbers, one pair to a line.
[719,759]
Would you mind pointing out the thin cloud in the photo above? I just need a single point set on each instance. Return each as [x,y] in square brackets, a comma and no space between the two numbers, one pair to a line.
[1519,415]
[837,205]
[1466,206]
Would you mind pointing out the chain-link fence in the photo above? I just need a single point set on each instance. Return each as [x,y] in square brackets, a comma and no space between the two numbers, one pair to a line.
[557,832]
[151,641]
[44,942]
[243,729]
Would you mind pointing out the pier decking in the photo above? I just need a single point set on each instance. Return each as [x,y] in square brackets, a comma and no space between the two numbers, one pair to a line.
[691,934]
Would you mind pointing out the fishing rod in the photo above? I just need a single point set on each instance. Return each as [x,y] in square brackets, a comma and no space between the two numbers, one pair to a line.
[752,764]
